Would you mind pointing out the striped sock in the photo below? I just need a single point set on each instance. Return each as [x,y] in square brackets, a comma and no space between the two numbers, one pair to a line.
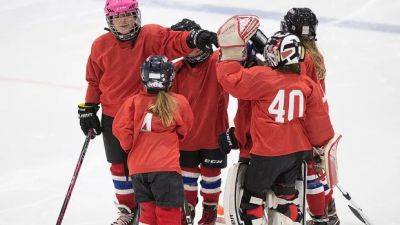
[123,187]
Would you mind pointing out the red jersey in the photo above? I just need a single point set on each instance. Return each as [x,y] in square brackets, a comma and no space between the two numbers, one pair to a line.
[288,112]
[151,147]
[308,67]
[242,127]
[208,100]
[113,67]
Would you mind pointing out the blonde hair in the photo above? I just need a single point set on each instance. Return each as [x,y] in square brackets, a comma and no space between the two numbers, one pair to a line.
[312,49]
[164,107]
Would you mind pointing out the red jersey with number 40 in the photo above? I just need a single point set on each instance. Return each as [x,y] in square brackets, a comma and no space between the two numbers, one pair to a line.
[288,111]
[151,147]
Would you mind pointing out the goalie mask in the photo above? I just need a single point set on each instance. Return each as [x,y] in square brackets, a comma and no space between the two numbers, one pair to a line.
[190,25]
[301,22]
[283,49]
[157,74]
[123,18]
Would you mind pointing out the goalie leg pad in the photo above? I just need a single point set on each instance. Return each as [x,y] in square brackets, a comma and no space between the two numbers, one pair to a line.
[252,208]
[287,201]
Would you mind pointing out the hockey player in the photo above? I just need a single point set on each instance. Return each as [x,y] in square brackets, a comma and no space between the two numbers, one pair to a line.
[286,106]
[113,74]
[303,22]
[149,126]
[200,156]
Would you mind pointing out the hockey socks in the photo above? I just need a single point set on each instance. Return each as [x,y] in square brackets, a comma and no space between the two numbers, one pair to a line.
[123,186]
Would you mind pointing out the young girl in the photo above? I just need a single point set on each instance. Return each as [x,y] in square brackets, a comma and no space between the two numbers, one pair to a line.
[113,74]
[196,79]
[303,23]
[149,126]
[287,119]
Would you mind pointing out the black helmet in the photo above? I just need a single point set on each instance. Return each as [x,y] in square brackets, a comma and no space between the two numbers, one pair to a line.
[190,25]
[157,74]
[301,22]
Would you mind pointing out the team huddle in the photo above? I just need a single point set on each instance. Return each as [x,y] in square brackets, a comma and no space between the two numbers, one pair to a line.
[164,97]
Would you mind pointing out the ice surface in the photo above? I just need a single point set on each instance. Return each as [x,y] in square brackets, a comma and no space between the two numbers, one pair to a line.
[44,45]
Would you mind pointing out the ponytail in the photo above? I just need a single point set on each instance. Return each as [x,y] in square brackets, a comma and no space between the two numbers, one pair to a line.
[164,108]
[312,49]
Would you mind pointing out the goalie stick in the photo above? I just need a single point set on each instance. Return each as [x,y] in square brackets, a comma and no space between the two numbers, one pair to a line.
[355,209]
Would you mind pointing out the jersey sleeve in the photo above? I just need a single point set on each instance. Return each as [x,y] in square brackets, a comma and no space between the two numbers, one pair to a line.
[123,124]
[93,76]
[167,42]
[242,83]
[317,122]
[186,115]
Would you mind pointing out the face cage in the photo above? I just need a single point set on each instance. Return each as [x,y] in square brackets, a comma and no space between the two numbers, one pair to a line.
[133,33]
[198,58]
[272,58]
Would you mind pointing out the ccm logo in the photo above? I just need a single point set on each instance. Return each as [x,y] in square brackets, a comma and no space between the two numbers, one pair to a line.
[213,161]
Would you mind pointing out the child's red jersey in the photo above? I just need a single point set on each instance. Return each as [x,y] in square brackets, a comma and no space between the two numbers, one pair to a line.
[208,100]
[151,147]
[288,112]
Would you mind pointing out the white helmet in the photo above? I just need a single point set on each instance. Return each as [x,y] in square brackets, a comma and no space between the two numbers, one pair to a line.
[283,49]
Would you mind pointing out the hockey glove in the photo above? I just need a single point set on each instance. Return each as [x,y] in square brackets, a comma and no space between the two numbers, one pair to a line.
[88,118]
[186,25]
[202,39]
[234,34]
[227,141]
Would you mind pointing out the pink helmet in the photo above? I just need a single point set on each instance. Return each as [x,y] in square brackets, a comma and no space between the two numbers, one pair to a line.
[115,7]
[128,8]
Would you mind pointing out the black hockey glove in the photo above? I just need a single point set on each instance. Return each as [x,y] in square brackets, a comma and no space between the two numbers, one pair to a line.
[227,141]
[186,25]
[88,118]
[202,39]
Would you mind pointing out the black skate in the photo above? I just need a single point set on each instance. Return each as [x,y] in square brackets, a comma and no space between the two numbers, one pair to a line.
[332,215]
[126,216]
[188,214]
[209,216]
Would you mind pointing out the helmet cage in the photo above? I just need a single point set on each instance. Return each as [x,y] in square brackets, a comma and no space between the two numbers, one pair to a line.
[131,34]
[283,49]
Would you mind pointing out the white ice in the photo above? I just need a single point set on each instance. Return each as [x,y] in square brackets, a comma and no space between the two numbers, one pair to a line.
[44,45]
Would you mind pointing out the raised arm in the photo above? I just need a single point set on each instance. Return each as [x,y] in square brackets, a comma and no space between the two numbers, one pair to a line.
[242,83]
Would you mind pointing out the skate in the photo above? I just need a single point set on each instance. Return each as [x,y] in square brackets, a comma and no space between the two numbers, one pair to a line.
[332,215]
[318,220]
[209,216]
[126,216]
[188,214]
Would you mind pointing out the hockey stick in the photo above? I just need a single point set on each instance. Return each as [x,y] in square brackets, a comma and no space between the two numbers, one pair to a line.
[74,177]
[355,209]
[304,165]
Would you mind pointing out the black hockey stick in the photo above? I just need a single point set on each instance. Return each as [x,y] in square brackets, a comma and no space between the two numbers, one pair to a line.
[304,168]
[74,177]
[355,209]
